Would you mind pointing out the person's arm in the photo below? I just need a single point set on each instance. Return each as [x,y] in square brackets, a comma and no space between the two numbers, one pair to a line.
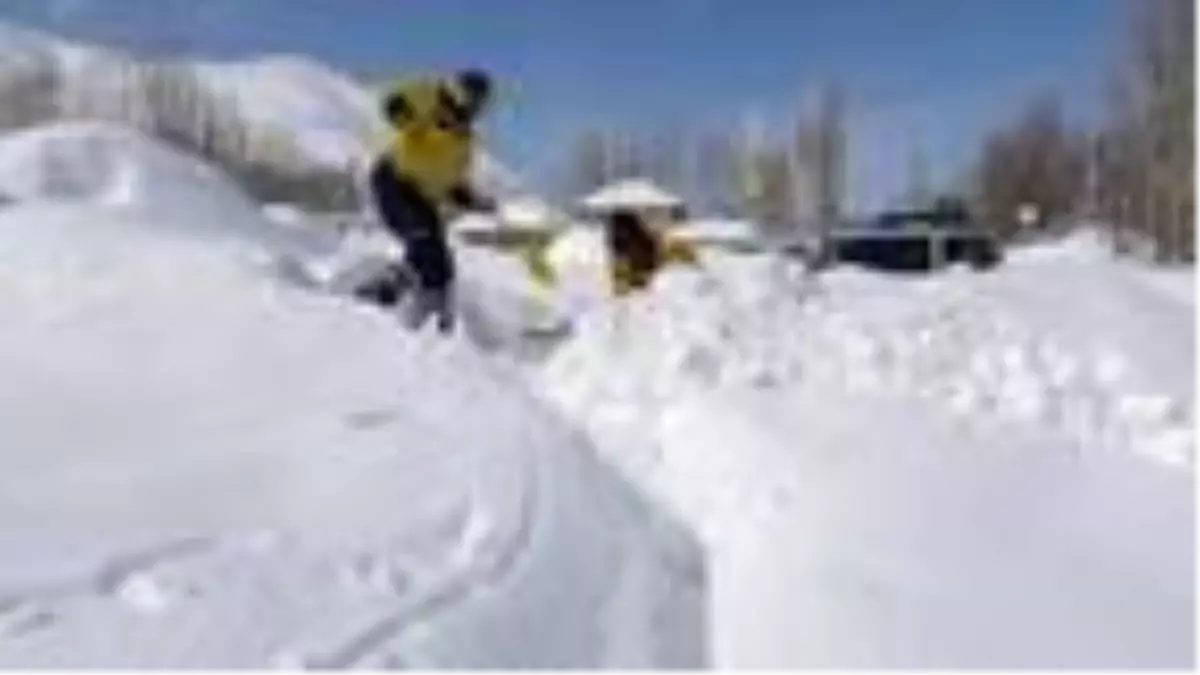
[679,250]
[465,197]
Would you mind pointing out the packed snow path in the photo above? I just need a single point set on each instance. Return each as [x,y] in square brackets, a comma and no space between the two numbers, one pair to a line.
[202,467]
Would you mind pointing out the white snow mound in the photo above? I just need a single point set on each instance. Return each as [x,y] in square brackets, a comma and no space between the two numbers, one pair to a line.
[100,164]
[330,116]
[203,468]
[961,470]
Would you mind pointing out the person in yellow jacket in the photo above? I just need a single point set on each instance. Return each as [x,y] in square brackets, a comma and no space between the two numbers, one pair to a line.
[423,171]
[535,253]
[637,253]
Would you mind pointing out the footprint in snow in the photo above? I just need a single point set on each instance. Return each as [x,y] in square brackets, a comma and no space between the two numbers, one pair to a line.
[377,574]
[19,618]
[365,420]
[148,594]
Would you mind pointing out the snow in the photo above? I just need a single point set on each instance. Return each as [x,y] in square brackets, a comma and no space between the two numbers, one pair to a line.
[631,193]
[956,471]
[333,118]
[101,164]
[23,48]
[208,457]
[205,467]
[579,257]
[914,542]
[719,230]
[526,211]
[329,115]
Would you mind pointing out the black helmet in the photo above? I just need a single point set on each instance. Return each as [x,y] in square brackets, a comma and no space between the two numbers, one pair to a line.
[476,87]
[475,83]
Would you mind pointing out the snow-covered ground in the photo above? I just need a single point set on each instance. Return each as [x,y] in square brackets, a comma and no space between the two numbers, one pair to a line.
[105,165]
[958,470]
[209,458]
[202,466]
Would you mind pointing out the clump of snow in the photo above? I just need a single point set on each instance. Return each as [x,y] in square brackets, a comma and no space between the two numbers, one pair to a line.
[579,257]
[203,467]
[525,211]
[104,165]
[1081,244]
[717,230]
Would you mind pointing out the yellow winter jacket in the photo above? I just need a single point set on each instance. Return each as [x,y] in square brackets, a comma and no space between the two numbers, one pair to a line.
[540,270]
[428,146]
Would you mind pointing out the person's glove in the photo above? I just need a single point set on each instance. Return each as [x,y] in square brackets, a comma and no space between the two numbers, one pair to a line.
[466,198]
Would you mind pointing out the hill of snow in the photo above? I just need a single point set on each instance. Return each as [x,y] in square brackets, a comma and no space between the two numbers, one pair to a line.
[101,164]
[333,119]
[201,466]
[953,471]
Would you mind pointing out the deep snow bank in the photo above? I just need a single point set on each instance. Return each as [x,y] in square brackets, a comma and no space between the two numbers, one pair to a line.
[201,467]
[1032,344]
[915,542]
[865,456]
[100,164]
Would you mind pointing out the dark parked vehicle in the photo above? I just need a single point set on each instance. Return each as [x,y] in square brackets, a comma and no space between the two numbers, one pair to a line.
[915,241]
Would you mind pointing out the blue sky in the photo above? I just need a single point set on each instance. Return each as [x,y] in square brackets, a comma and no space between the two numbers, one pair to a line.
[933,72]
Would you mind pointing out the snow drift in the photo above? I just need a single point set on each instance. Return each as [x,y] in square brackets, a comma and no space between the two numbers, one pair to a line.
[105,165]
[917,542]
[203,467]
[954,471]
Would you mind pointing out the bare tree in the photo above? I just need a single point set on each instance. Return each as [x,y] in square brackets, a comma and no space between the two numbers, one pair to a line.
[588,168]
[1037,161]
[29,93]
[818,160]
[919,193]
[714,171]
[663,156]
[830,168]
[1149,160]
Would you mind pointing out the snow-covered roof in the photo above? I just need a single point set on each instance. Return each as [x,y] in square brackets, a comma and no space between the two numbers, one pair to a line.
[631,193]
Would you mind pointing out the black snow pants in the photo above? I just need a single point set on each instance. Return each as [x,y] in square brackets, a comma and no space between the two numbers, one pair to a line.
[414,220]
